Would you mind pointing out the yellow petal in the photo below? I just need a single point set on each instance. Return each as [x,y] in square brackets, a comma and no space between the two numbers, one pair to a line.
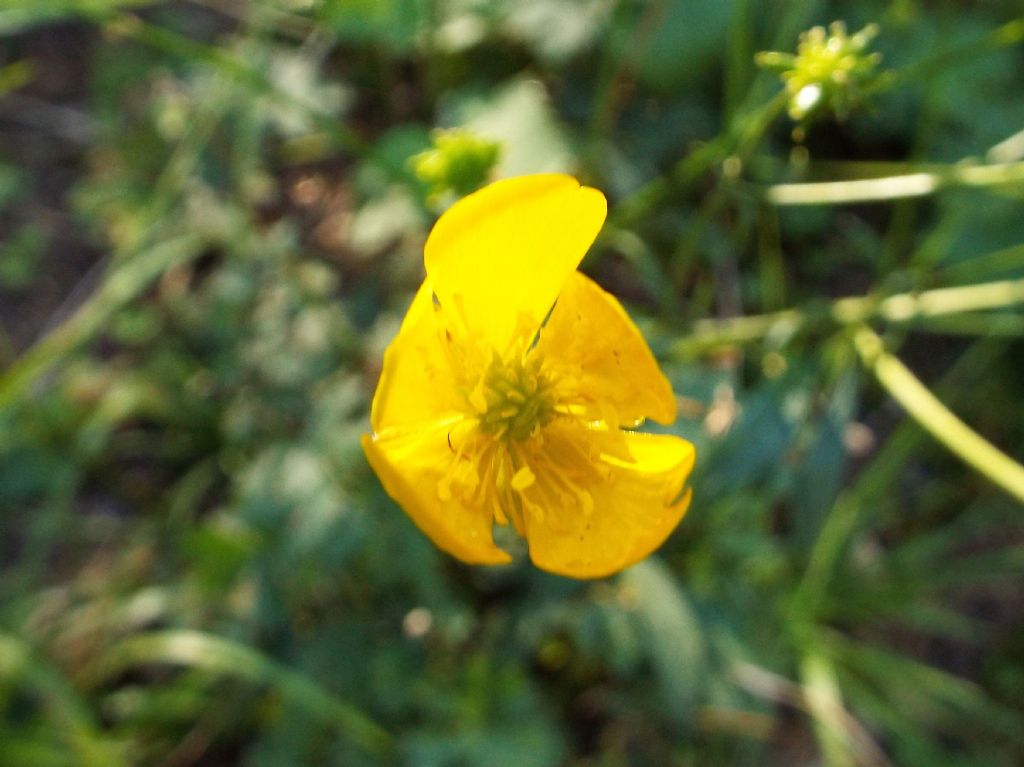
[417,383]
[636,504]
[412,466]
[594,345]
[499,257]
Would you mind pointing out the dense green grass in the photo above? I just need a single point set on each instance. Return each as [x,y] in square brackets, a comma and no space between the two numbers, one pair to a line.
[211,223]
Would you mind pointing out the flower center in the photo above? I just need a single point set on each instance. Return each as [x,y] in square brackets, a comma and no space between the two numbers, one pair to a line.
[514,399]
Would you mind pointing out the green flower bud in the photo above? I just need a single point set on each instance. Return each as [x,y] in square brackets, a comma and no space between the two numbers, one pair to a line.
[828,71]
[459,162]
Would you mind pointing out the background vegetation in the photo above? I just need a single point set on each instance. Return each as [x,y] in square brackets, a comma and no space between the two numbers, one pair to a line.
[211,222]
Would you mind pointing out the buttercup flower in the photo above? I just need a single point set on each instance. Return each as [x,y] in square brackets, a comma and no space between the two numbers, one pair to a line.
[512,388]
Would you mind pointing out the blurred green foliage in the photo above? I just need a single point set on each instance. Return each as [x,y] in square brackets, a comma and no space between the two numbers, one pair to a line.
[210,226]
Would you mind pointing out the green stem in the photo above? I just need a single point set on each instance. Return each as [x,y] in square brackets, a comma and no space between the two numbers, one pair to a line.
[899,308]
[615,62]
[825,705]
[990,324]
[738,142]
[935,418]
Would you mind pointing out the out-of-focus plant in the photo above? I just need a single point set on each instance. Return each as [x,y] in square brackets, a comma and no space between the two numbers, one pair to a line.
[209,232]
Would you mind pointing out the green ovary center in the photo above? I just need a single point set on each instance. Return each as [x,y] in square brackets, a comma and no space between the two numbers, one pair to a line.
[514,399]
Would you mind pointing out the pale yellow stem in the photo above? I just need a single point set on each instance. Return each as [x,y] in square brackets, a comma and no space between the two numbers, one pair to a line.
[895,187]
[925,408]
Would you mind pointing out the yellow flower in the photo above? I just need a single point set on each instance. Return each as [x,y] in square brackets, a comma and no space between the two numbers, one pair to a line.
[512,387]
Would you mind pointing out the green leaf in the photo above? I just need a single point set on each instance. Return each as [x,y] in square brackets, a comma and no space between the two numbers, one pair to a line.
[672,632]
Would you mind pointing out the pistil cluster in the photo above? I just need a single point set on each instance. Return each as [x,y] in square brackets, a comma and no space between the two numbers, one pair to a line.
[514,398]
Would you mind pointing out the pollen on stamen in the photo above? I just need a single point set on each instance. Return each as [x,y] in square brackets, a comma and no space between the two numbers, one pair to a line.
[523,478]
